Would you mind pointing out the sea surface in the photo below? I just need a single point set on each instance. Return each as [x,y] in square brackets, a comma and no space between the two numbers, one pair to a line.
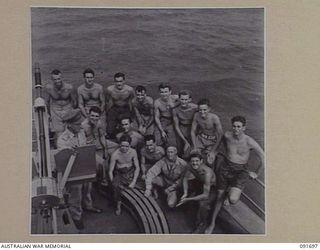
[215,53]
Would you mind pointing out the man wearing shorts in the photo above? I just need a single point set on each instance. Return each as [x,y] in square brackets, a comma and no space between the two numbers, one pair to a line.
[143,109]
[61,99]
[182,117]
[163,106]
[119,103]
[199,174]
[124,169]
[233,173]
[206,131]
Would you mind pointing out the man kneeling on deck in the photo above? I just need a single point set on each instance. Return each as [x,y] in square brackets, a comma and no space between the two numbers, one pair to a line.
[172,169]
[234,173]
[124,169]
[199,173]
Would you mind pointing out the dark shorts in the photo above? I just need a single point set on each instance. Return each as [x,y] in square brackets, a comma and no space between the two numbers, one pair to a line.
[122,179]
[232,175]
[197,187]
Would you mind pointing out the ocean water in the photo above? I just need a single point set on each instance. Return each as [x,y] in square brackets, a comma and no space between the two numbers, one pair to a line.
[215,53]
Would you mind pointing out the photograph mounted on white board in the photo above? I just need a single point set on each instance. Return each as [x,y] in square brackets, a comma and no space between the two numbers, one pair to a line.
[148,120]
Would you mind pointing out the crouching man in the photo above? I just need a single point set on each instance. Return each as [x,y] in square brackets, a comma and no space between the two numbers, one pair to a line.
[199,174]
[172,169]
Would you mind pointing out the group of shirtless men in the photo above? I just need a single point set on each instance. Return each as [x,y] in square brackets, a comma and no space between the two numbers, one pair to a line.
[166,143]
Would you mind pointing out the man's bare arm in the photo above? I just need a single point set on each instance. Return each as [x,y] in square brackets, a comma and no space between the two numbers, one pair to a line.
[185,185]
[102,100]
[109,101]
[150,121]
[157,117]
[143,166]
[176,124]
[218,126]
[256,147]
[112,166]
[81,104]
[131,96]
[138,116]
[193,130]
[136,171]
[74,98]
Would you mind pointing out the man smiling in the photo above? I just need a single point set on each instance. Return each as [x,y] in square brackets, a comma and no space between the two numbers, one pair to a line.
[167,173]
[201,174]
[182,117]
[206,131]
[233,173]
[90,94]
[119,103]
[163,106]
[124,169]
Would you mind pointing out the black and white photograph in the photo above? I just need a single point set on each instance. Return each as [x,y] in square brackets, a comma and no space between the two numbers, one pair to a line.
[148,121]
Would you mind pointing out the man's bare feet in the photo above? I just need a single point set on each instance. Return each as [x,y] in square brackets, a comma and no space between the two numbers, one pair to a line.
[200,228]
[118,211]
[209,229]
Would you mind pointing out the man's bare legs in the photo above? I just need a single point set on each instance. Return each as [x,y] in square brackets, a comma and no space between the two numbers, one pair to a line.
[232,198]
[118,210]
[218,204]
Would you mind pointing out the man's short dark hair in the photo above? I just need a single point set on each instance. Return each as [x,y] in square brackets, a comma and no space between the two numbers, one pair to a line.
[125,118]
[171,146]
[55,72]
[185,92]
[140,88]
[88,70]
[95,109]
[195,154]
[204,101]
[126,138]
[119,74]
[164,85]
[149,138]
[239,118]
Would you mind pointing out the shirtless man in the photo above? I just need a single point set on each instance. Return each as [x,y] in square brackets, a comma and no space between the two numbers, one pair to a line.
[163,106]
[199,173]
[61,99]
[95,134]
[167,173]
[119,103]
[150,154]
[182,117]
[91,94]
[143,108]
[124,169]
[136,138]
[234,173]
[206,131]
